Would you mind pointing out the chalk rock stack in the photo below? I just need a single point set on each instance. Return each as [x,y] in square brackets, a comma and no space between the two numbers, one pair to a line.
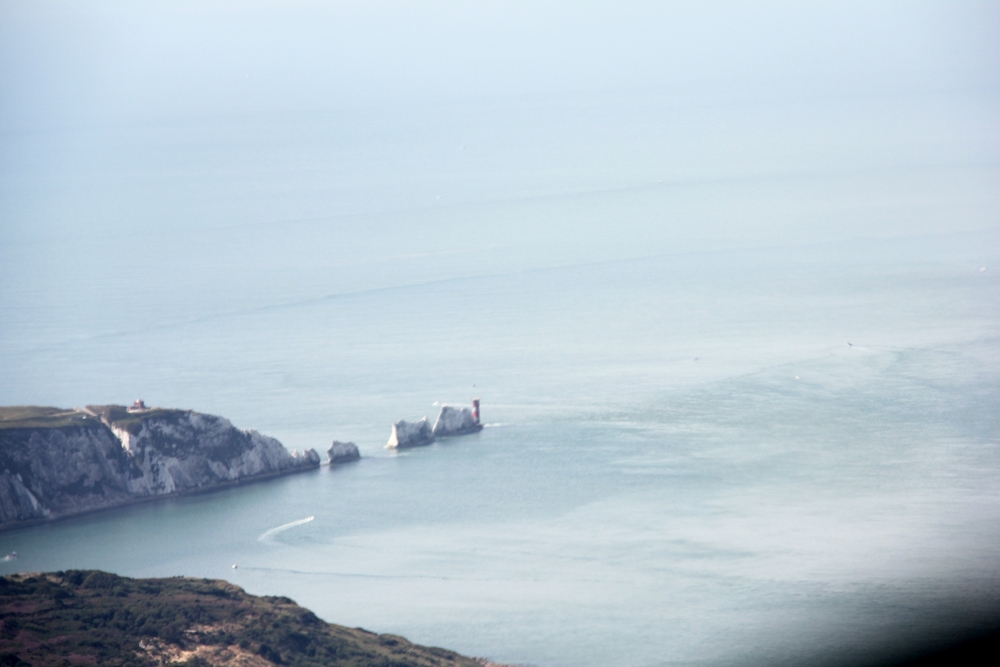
[343,452]
[451,421]
[455,421]
[410,434]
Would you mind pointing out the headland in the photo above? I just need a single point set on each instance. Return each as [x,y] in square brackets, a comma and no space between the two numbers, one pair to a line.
[56,462]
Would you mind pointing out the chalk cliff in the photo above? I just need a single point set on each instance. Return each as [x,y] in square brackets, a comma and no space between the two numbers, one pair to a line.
[410,434]
[61,462]
[455,421]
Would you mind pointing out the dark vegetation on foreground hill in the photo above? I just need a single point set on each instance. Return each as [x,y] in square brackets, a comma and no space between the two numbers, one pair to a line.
[88,617]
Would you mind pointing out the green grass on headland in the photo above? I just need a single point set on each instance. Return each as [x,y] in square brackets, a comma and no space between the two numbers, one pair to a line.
[92,617]
[132,421]
[32,416]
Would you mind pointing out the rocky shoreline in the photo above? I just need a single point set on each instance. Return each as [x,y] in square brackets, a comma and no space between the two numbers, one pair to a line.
[56,463]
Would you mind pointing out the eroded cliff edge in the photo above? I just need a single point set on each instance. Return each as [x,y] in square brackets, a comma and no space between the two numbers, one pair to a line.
[55,462]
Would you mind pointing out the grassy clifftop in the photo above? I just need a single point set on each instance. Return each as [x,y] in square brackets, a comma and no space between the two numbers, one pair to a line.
[132,421]
[33,416]
[92,617]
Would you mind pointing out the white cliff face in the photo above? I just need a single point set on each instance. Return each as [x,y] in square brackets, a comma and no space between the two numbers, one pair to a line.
[342,452]
[183,451]
[17,503]
[51,472]
[410,434]
[58,471]
[455,421]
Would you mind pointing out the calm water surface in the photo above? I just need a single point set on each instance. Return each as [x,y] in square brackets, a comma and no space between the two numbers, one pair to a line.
[726,425]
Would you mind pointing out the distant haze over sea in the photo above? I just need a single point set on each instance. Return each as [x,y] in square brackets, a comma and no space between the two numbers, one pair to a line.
[724,277]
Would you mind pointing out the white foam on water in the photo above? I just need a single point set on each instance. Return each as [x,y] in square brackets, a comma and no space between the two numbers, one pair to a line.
[267,535]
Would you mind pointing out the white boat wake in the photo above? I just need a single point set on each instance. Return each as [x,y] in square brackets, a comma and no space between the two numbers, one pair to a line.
[267,535]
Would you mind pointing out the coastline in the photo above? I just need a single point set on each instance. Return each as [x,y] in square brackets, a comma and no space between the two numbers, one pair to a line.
[222,486]
[60,463]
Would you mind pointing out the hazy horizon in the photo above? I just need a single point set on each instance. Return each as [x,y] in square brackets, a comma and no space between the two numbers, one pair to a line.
[643,233]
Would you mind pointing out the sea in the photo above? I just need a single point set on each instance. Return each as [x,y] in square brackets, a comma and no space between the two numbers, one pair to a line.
[738,356]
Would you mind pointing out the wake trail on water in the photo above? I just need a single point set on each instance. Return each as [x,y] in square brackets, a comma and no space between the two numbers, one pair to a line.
[267,535]
[360,575]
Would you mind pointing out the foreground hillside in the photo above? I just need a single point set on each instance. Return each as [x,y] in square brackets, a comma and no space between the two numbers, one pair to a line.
[95,618]
[56,463]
